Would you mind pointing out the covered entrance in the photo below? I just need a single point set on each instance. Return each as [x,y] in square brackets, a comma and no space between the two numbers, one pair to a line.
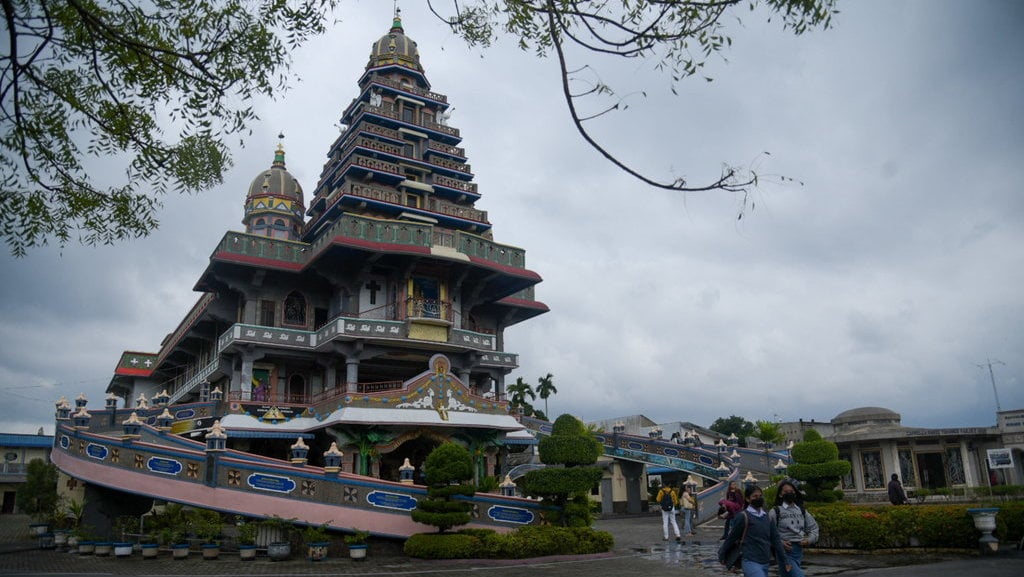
[931,472]
[416,450]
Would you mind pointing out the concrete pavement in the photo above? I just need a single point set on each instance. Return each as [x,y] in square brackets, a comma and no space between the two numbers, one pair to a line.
[638,549]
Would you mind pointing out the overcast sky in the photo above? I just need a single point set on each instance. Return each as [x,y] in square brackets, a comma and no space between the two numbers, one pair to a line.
[885,280]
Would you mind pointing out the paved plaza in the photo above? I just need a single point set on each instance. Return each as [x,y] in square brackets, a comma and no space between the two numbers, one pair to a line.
[639,550]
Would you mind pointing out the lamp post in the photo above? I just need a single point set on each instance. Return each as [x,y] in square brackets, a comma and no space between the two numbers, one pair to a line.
[405,472]
[332,459]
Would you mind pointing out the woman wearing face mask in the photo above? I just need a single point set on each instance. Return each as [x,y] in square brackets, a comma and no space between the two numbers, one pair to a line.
[796,525]
[758,535]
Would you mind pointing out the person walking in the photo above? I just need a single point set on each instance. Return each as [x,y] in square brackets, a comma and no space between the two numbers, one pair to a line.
[732,504]
[756,536]
[668,501]
[688,505]
[797,527]
[896,494]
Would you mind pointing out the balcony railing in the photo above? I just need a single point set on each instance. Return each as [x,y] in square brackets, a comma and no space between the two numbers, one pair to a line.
[387,110]
[410,89]
[446,149]
[455,184]
[473,245]
[263,247]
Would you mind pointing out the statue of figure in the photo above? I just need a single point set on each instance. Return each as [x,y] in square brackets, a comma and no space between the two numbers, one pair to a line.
[442,118]
[375,98]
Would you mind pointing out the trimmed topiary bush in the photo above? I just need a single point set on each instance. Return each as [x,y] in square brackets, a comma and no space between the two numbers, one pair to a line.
[447,470]
[818,467]
[526,542]
[572,445]
[444,546]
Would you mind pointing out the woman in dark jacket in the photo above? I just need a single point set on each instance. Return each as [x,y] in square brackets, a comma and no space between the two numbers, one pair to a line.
[758,537]
[733,504]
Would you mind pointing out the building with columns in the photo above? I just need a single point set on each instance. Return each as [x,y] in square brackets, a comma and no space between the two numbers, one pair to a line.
[327,315]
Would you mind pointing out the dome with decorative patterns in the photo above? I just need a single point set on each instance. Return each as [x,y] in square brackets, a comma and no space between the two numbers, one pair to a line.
[395,48]
[274,206]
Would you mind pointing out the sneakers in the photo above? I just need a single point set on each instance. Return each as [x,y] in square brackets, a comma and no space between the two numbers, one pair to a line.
[679,539]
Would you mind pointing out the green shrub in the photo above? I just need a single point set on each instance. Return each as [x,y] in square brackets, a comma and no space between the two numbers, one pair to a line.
[884,526]
[446,470]
[443,546]
[526,542]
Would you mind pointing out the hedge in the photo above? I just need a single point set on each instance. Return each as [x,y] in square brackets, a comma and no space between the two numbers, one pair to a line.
[525,542]
[881,527]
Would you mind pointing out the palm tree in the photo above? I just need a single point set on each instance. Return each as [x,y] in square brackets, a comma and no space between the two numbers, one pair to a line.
[546,388]
[518,393]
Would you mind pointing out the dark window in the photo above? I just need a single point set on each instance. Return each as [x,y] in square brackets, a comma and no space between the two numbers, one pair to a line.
[295,309]
[408,113]
[268,312]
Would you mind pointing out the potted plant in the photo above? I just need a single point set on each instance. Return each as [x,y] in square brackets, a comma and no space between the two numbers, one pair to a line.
[277,532]
[317,542]
[72,519]
[246,537]
[85,539]
[357,546]
[37,497]
[123,527]
[207,525]
[149,546]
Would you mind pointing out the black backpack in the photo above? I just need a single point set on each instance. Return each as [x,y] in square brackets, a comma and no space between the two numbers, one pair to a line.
[666,500]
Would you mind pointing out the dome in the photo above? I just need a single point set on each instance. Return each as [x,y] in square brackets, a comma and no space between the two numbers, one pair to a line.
[276,181]
[395,48]
[860,415]
[274,205]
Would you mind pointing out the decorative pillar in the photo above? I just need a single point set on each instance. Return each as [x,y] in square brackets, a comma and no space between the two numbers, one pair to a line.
[299,453]
[508,487]
[216,395]
[655,433]
[692,484]
[81,401]
[141,403]
[732,440]
[204,391]
[111,402]
[780,467]
[735,457]
[164,420]
[352,375]
[332,459]
[131,427]
[63,409]
[405,472]
[216,438]
[723,471]
[80,420]
[161,399]
[749,480]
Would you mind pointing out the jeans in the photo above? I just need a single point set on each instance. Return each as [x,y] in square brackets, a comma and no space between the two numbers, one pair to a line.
[725,533]
[754,569]
[795,558]
[687,521]
[666,518]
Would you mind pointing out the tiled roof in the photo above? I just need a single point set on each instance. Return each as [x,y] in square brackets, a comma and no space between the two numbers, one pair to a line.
[23,440]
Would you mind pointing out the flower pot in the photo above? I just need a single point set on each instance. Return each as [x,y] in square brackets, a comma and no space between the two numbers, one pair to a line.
[86,547]
[317,551]
[210,551]
[103,548]
[37,529]
[279,550]
[73,543]
[60,538]
[150,550]
[985,521]
[122,549]
[246,552]
[179,551]
[358,552]
[47,541]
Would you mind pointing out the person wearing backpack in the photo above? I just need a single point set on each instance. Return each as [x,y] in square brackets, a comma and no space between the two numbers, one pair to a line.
[796,526]
[667,500]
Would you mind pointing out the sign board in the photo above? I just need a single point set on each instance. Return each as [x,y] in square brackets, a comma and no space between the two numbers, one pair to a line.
[1000,459]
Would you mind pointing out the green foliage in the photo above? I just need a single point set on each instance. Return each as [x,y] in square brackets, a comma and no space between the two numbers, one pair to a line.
[207,525]
[734,425]
[447,470]
[171,526]
[247,530]
[315,534]
[444,546]
[488,485]
[356,537]
[526,542]
[939,526]
[37,496]
[100,79]
[818,467]
[768,432]
[569,444]
[517,394]
[546,388]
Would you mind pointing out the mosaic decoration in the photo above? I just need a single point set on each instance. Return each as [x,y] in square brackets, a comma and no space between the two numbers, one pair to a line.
[115,455]
[955,466]
[163,466]
[907,474]
[140,461]
[513,515]
[65,442]
[871,464]
[192,470]
[308,487]
[234,478]
[350,494]
[274,483]
[391,500]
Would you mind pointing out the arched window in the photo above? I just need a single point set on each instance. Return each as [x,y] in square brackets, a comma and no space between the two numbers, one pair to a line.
[295,309]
